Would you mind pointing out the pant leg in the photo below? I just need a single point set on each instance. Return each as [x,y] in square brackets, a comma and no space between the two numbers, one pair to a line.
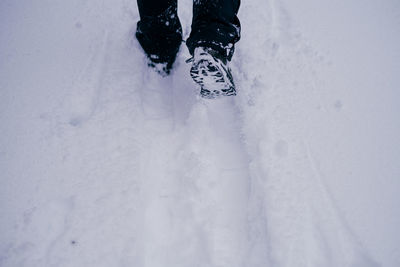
[215,25]
[159,30]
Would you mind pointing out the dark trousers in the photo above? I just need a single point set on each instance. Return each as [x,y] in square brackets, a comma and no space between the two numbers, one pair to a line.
[214,25]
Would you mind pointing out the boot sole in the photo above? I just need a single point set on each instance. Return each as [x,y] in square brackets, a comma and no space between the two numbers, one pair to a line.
[214,79]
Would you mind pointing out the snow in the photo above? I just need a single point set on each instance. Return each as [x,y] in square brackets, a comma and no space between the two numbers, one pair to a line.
[105,163]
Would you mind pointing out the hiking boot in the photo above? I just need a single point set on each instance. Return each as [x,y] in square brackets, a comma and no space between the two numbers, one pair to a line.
[160,37]
[211,72]
[161,52]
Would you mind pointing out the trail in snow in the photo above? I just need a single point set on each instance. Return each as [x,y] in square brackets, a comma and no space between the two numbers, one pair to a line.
[303,227]
[194,177]
[144,173]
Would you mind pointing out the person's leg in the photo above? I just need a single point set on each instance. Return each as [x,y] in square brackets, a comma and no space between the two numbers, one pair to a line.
[215,25]
[215,30]
[159,31]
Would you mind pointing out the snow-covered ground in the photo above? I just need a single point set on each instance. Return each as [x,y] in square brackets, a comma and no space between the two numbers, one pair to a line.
[105,163]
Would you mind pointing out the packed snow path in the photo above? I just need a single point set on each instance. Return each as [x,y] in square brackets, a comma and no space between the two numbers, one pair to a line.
[106,163]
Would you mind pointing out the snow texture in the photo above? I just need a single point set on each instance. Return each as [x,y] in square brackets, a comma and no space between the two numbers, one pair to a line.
[103,162]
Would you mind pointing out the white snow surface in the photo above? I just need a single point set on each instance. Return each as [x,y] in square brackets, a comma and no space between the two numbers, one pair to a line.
[105,163]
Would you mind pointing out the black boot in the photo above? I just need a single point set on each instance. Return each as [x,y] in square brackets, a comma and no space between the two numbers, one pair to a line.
[210,70]
[215,30]
[159,32]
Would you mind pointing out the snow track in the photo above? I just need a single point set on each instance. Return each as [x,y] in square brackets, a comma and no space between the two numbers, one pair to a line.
[133,169]
[194,177]
[303,227]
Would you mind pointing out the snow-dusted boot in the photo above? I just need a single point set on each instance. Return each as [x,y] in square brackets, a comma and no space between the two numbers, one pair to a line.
[159,33]
[160,50]
[212,73]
